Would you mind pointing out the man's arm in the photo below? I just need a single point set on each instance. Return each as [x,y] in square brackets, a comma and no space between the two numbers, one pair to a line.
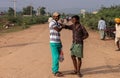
[67,27]
[105,25]
[98,25]
[86,35]
[58,29]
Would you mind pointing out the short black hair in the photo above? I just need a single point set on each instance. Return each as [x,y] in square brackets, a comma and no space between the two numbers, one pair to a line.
[102,18]
[76,17]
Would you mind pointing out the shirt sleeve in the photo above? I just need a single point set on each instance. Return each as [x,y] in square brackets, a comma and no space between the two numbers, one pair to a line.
[70,27]
[99,25]
[85,32]
[52,25]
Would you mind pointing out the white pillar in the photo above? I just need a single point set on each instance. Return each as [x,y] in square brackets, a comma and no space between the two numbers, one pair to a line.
[14,8]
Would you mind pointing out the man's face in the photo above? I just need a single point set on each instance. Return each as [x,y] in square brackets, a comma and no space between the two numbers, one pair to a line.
[74,20]
[56,18]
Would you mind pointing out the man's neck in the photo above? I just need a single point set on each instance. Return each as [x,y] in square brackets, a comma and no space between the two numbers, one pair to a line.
[76,23]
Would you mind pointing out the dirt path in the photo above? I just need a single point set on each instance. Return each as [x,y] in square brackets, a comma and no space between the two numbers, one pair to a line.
[26,54]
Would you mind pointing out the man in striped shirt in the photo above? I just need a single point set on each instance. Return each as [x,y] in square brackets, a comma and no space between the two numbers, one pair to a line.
[55,43]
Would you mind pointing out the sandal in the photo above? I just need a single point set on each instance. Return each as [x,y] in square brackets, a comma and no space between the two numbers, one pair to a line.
[79,74]
[74,72]
[58,74]
[118,49]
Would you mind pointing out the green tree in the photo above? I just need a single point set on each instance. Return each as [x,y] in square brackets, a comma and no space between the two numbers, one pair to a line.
[108,13]
[42,10]
[63,15]
[29,10]
[11,11]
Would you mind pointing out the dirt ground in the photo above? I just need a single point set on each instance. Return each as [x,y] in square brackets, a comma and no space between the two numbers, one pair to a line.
[26,54]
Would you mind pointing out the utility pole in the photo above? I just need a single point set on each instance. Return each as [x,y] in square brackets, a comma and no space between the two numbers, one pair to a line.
[31,9]
[14,1]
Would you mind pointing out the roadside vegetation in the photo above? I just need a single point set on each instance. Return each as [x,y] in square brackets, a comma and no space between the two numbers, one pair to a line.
[109,14]
[28,16]
[24,19]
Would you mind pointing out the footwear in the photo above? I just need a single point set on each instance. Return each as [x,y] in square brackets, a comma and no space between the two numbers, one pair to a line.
[58,74]
[102,39]
[118,49]
[74,72]
[79,74]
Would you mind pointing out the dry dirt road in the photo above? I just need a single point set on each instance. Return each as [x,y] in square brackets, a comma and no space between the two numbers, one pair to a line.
[26,54]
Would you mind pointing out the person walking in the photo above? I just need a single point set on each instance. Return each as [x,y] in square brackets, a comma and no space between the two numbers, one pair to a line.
[117,33]
[79,34]
[102,28]
[55,43]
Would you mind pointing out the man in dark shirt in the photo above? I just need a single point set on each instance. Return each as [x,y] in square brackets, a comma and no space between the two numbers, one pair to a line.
[79,34]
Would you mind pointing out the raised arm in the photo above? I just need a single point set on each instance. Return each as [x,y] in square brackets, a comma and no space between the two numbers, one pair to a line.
[67,27]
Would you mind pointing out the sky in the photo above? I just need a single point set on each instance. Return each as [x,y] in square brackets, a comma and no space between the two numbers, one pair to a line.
[64,5]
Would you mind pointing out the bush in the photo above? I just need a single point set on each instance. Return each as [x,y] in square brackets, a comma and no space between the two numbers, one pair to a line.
[16,20]
[35,20]
[91,20]
[21,22]
[41,19]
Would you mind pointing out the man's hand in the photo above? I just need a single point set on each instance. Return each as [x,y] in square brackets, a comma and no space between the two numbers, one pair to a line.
[63,25]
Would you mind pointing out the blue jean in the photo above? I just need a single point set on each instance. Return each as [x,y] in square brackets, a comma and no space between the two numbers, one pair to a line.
[55,51]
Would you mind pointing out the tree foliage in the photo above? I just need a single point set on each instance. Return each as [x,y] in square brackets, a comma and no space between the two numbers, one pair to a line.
[11,11]
[29,10]
[42,11]
[108,13]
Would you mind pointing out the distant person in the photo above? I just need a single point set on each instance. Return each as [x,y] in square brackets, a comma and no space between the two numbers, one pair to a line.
[79,34]
[50,19]
[69,18]
[55,43]
[117,33]
[102,28]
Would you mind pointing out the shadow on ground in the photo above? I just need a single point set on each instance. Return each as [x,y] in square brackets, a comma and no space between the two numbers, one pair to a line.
[18,45]
[97,70]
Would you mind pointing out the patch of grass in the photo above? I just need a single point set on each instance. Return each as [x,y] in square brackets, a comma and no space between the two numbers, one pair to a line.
[13,29]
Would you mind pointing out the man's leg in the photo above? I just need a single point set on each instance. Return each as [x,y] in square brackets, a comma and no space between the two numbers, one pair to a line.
[118,45]
[104,34]
[55,49]
[79,64]
[74,63]
[101,34]
[79,67]
[55,58]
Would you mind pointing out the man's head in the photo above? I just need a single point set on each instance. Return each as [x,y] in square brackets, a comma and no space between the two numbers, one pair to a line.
[56,16]
[102,18]
[75,19]
[117,20]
